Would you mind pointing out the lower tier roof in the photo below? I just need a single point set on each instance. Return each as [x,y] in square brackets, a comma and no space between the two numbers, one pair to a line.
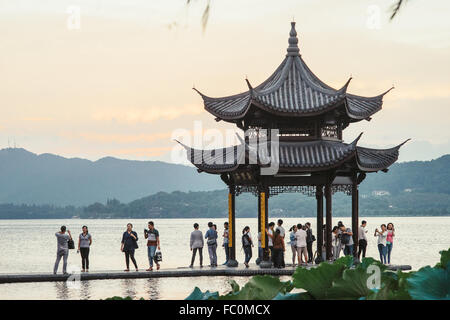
[294,156]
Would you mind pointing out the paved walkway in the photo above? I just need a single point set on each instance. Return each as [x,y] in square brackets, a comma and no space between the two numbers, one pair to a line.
[239,271]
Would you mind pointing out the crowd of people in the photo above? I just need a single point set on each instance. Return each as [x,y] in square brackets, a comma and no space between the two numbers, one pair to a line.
[301,239]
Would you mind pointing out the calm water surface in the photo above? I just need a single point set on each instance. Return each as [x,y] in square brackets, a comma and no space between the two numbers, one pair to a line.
[30,246]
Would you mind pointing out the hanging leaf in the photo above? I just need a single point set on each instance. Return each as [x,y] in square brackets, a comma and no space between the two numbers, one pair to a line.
[430,284]
[205,16]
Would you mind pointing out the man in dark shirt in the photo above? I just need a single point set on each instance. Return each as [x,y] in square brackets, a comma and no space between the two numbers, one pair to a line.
[309,242]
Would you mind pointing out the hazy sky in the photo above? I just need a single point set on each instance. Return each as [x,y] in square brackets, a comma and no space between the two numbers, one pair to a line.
[120,85]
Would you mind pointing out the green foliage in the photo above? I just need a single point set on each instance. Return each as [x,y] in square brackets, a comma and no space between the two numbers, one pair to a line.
[345,280]
[430,284]
[80,182]
[445,259]
[318,281]
[293,296]
[122,298]
[197,294]
[259,288]
[393,287]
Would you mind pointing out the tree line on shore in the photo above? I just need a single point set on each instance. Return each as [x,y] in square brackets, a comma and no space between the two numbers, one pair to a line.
[213,204]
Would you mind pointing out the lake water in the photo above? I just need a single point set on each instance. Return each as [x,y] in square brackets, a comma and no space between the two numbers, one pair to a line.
[30,245]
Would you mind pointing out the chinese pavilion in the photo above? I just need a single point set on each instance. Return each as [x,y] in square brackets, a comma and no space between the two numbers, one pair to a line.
[310,117]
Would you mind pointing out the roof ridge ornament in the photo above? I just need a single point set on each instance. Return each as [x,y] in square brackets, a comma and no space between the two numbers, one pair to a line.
[355,142]
[293,49]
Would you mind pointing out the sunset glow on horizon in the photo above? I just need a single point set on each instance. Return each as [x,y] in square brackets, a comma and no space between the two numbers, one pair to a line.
[120,82]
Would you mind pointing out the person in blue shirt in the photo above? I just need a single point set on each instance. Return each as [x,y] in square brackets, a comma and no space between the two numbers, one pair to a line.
[211,236]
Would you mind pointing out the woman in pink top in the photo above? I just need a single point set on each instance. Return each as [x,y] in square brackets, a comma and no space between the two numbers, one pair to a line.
[390,240]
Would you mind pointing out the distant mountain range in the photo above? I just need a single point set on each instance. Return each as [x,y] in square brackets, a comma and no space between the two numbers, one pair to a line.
[164,189]
[28,178]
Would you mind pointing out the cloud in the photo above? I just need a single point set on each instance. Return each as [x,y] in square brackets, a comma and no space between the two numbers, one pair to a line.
[134,116]
[126,138]
[38,119]
[141,152]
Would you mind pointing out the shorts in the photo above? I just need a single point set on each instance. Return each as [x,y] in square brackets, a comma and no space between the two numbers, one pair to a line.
[301,250]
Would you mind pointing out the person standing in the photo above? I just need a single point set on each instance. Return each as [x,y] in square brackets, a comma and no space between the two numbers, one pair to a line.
[260,249]
[282,235]
[300,237]
[390,240]
[225,242]
[293,243]
[309,242]
[247,244]
[84,243]
[362,239]
[270,232]
[335,242]
[62,250]
[129,245]
[341,245]
[211,236]
[347,240]
[196,244]
[278,249]
[382,235]
[152,236]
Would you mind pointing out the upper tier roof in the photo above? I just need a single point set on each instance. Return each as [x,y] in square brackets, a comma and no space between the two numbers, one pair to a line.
[293,90]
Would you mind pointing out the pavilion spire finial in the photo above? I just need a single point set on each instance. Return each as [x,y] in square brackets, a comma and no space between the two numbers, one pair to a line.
[293,49]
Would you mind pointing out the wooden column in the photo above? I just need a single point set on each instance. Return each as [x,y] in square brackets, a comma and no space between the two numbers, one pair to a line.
[328,199]
[232,228]
[319,197]
[355,216]
[262,224]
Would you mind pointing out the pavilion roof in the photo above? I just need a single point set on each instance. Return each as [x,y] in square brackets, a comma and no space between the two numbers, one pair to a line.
[301,156]
[293,90]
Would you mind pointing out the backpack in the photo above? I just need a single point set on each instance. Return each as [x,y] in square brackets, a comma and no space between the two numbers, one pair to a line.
[345,238]
[246,240]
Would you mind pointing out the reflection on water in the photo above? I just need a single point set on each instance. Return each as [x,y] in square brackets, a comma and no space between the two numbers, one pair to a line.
[85,290]
[62,290]
[128,287]
[153,289]
[417,243]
